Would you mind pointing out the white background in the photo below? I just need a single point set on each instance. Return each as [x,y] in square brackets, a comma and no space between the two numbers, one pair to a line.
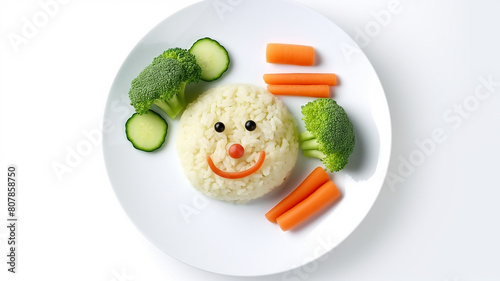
[437,217]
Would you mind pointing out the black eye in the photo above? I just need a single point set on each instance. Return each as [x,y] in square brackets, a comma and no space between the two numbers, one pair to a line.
[219,127]
[250,125]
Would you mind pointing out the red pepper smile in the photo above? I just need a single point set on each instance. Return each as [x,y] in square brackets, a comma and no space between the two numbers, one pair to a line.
[237,175]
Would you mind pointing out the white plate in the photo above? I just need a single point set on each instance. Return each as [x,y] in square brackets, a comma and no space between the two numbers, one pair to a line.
[237,239]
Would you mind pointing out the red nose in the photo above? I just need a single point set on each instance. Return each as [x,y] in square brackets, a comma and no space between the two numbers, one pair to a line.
[236,151]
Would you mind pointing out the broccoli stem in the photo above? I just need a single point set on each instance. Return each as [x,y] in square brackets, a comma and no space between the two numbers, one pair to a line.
[175,104]
[310,146]
[164,106]
[314,154]
[305,136]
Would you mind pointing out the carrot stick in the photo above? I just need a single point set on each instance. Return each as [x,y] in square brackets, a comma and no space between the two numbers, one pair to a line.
[290,54]
[301,78]
[312,182]
[317,91]
[318,200]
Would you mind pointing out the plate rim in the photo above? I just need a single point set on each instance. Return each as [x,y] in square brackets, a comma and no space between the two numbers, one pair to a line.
[386,145]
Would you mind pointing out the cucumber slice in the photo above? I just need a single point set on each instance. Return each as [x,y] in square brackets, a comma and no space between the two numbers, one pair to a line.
[146,131]
[212,57]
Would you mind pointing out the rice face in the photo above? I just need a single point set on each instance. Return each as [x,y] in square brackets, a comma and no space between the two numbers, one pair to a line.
[233,105]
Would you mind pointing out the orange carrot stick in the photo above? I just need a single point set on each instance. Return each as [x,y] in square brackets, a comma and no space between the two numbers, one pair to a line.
[301,78]
[312,182]
[318,200]
[237,175]
[317,91]
[290,54]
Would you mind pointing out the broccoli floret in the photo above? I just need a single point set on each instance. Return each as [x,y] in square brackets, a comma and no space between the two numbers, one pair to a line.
[329,133]
[164,81]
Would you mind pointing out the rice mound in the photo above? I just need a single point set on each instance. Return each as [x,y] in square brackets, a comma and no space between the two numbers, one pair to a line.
[233,105]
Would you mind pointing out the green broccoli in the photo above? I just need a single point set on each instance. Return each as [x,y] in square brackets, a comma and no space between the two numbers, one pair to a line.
[163,82]
[329,133]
